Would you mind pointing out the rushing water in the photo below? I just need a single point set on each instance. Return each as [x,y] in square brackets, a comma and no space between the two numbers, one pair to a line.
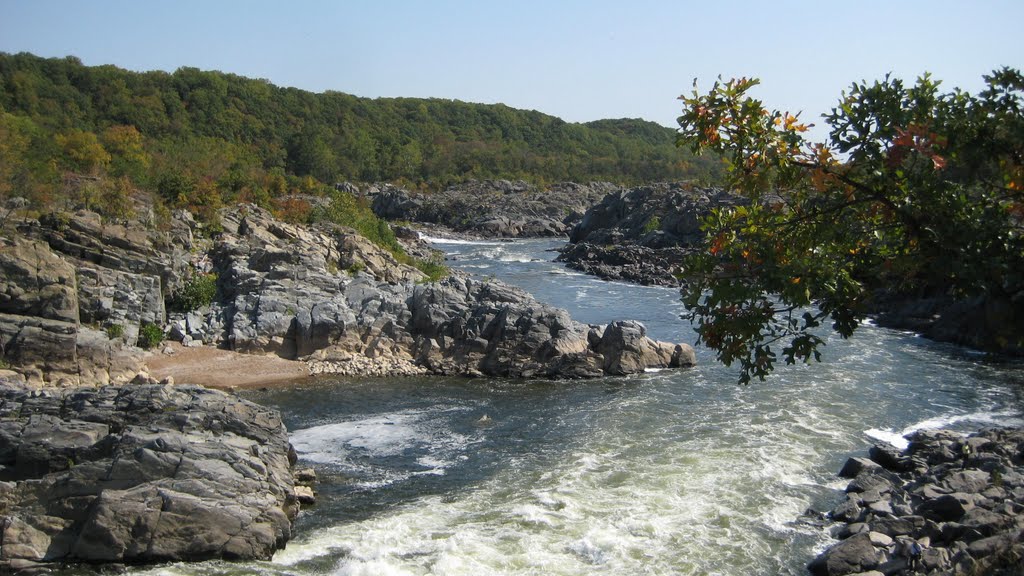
[670,472]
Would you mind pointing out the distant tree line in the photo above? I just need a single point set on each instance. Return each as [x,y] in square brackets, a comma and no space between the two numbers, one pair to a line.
[200,139]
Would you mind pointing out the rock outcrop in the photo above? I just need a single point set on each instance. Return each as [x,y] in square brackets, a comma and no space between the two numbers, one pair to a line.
[984,323]
[641,235]
[63,284]
[139,474]
[492,208]
[283,291]
[75,294]
[969,519]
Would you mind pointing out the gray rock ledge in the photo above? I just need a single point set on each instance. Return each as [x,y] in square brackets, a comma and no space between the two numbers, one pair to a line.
[139,474]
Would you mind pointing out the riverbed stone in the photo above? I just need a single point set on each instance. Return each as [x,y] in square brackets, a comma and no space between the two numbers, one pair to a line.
[972,530]
[855,465]
[944,508]
[851,556]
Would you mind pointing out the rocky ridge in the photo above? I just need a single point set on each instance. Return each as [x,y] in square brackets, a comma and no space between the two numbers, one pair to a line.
[278,294]
[65,281]
[492,208]
[969,519]
[139,474]
[641,234]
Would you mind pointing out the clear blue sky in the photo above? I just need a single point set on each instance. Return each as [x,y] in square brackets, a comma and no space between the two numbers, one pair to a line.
[579,60]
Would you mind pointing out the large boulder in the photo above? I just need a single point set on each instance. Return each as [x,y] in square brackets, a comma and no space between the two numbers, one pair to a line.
[139,474]
[854,555]
[627,349]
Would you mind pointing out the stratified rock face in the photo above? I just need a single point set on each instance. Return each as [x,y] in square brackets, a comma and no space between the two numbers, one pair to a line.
[46,298]
[968,516]
[493,208]
[66,280]
[141,473]
[642,234]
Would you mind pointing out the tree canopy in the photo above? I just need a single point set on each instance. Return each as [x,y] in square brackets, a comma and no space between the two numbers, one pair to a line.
[197,131]
[916,191]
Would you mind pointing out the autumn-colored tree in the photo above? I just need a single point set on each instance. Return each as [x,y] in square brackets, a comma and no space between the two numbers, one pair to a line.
[292,209]
[116,198]
[916,191]
[83,152]
[128,155]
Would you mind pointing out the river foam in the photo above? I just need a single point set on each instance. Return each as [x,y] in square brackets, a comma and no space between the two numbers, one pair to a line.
[974,419]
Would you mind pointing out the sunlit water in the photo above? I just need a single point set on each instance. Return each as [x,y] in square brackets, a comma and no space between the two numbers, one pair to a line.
[670,472]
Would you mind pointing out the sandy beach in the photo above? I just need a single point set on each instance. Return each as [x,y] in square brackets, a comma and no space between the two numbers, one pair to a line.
[224,369]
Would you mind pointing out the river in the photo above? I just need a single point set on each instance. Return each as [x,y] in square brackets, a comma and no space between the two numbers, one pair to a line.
[668,472]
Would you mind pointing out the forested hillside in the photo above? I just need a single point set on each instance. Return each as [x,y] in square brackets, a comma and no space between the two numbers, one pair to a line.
[200,139]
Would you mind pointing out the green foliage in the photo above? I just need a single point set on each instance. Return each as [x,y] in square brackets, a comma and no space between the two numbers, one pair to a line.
[115,331]
[652,225]
[347,210]
[355,268]
[198,292]
[59,221]
[128,155]
[916,191]
[235,130]
[150,336]
[434,268]
[82,152]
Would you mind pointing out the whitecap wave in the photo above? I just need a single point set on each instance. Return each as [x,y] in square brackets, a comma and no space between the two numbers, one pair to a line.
[440,240]
[400,434]
[899,440]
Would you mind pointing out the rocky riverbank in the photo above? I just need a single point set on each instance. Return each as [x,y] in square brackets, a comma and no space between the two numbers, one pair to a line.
[492,208]
[76,293]
[142,473]
[967,515]
[641,235]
